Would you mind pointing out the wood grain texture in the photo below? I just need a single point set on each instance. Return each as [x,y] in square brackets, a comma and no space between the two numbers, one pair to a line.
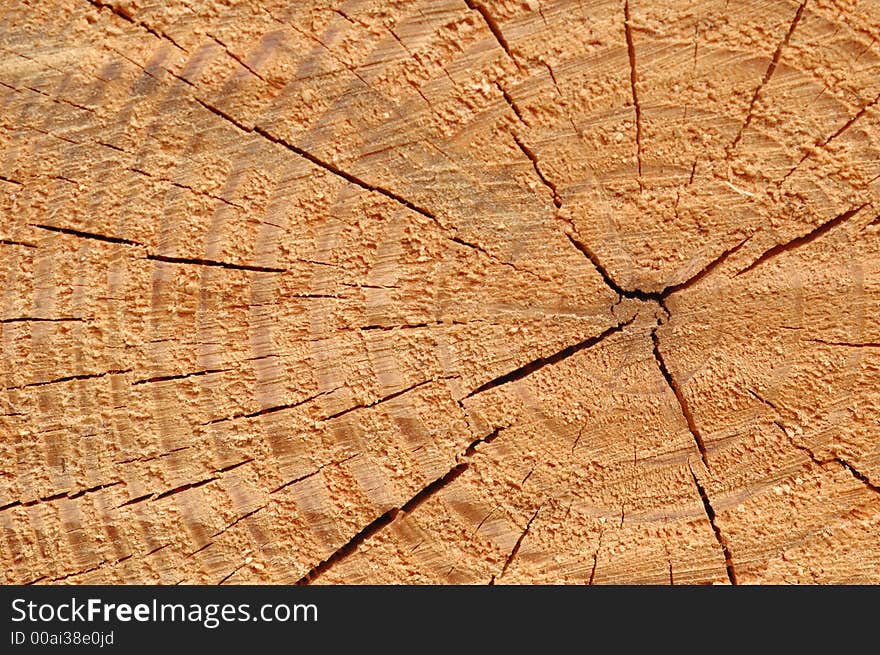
[440,291]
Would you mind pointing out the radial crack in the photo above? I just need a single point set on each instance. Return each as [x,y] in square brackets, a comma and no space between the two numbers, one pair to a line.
[86,235]
[512,104]
[135,500]
[14,242]
[349,177]
[185,487]
[199,550]
[240,61]
[404,326]
[471,450]
[153,457]
[595,559]
[232,524]
[657,296]
[852,470]
[719,536]
[494,28]
[539,363]
[380,522]
[763,400]
[413,503]
[479,248]
[169,492]
[518,544]
[272,409]
[232,467]
[603,272]
[847,344]
[210,262]
[117,9]
[530,154]
[706,270]
[335,170]
[181,376]
[633,79]
[60,101]
[81,572]
[71,378]
[232,573]
[99,487]
[804,239]
[680,397]
[311,474]
[40,319]
[771,68]
[843,128]
[9,179]
[191,189]
[384,399]
[858,475]
[63,495]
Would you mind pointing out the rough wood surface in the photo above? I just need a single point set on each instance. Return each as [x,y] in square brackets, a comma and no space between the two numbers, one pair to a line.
[440,291]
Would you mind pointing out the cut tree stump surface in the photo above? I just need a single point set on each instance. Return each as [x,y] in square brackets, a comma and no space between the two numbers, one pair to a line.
[447,291]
